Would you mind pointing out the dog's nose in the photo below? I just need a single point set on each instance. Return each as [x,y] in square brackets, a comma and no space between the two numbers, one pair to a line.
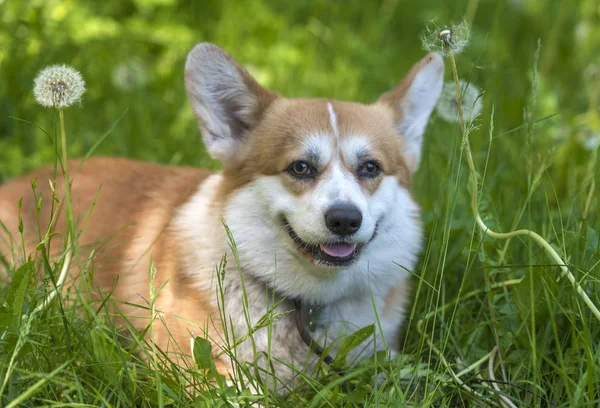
[343,219]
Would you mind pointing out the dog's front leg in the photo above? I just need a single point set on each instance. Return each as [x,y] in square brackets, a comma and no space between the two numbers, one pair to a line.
[263,336]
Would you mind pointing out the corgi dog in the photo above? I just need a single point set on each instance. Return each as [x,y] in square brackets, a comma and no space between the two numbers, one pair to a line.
[312,209]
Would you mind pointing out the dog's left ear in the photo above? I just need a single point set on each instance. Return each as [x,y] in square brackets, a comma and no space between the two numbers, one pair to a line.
[412,102]
[227,101]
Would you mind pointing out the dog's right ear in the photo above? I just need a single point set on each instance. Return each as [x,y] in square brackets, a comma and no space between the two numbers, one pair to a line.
[227,101]
[413,101]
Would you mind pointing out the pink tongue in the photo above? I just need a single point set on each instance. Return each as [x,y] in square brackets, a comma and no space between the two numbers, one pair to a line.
[338,250]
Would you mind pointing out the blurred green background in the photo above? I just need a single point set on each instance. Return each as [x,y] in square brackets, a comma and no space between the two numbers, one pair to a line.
[131,53]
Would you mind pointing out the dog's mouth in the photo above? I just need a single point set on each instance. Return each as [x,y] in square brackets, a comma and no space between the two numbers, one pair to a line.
[334,254]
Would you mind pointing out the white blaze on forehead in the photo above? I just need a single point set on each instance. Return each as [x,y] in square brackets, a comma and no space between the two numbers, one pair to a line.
[333,121]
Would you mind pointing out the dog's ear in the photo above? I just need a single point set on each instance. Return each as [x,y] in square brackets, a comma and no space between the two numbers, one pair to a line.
[227,101]
[413,100]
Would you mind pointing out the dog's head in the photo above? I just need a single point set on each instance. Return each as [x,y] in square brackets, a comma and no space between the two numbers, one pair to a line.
[316,185]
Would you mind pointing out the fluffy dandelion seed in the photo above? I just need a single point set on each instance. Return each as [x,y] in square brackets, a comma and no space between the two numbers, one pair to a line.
[447,106]
[58,86]
[592,142]
[446,39]
[130,75]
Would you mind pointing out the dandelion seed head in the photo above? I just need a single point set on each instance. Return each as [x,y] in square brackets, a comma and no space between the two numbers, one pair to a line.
[519,4]
[446,39]
[592,142]
[130,75]
[591,72]
[446,36]
[587,131]
[447,107]
[58,86]
[583,31]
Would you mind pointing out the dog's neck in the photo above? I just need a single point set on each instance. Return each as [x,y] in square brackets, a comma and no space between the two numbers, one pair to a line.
[305,318]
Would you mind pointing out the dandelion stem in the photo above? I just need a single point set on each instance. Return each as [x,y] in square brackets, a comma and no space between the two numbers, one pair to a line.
[65,168]
[67,262]
[465,136]
[499,235]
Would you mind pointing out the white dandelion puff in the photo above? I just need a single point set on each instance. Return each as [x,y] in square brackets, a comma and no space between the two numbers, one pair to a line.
[130,75]
[592,142]
[583,31]
[58,86]
[587,134]
[591,72]
[447,107]
[446,39]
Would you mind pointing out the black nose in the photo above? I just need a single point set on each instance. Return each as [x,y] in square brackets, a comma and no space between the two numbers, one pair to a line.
[343,219]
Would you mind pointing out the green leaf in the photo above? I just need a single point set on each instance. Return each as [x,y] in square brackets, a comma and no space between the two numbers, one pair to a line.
[203,354]
[15,298]
[591,239]
[204,359]
[354,340]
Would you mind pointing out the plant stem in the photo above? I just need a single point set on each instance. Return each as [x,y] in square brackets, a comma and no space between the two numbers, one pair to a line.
[69,217]
[59,282]
[471,10]
[437,351]
[65,168]
[500,235]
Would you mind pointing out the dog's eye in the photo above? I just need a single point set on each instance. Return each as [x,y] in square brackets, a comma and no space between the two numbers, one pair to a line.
[369,169]
[300,169]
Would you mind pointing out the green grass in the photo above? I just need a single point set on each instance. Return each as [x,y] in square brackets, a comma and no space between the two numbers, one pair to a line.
[472,294]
